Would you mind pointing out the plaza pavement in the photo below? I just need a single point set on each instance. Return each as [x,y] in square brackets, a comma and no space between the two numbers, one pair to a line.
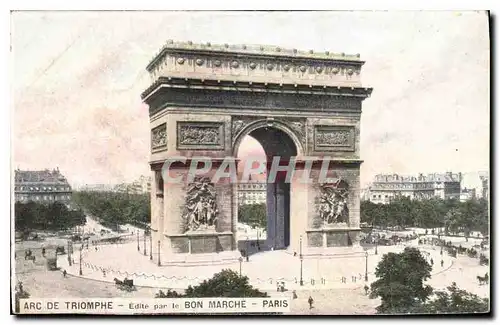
[267,268]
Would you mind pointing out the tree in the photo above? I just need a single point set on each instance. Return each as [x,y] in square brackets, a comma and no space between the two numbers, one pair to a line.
[114,209]
[253,214]
[226,283]
[400,282]
[455,301]
[53,216]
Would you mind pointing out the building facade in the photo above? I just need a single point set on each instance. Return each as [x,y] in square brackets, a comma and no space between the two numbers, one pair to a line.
[467,194]
[387,187]
[140,186]
[254,191]
[41,186]
[97,187]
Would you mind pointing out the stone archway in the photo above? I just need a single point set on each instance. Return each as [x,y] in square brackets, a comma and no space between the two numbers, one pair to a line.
[204,98]
[277,141]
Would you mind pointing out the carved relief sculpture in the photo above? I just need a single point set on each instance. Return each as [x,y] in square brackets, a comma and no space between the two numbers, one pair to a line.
[334,138]
[333,206]
[200,211]
[298,127]
[199,135]
[159,137]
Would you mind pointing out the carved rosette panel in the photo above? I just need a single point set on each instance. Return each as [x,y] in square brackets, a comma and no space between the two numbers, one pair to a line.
[200,135]
[298,126]
[332,203]
[159,137]
[334,138]
[238,123]
[200,208]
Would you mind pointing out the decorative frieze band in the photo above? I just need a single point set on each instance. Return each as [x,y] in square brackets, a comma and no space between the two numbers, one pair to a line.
[334,138]
[159,137]
[200,135]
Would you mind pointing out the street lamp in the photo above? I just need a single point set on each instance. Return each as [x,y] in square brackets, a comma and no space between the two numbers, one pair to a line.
[81,249]
[301,261]
[145,243]
[240,260]
[159,263]
[138,247]
[366,267]
[150,244]
[246,255]
[69,253]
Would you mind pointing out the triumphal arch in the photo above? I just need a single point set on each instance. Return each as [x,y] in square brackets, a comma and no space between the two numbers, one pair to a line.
[303,107]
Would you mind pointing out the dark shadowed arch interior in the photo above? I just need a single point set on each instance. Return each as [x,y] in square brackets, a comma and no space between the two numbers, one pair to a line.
[276,142]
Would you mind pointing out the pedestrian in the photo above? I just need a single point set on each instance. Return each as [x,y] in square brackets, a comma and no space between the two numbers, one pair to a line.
[64,273]
[294,294]
[442,263]
[366,289]
[432,261]
[104,273]
[43,251]
[310,301]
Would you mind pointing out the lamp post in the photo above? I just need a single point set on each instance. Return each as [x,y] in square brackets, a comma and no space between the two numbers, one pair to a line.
[246,255]
[376,246]
[240,260]
[301,261]
[366,266]
[145,243]
[81,249]
[138,247]
[159,263]
[69,253]
[150,244]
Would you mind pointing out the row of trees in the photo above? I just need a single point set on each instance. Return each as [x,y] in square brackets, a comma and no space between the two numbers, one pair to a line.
[402,289]
[114,209]
[54,216]
[253,214]
[452,214]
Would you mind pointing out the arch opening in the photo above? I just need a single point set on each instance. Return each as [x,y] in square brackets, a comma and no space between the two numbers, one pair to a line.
[258,193]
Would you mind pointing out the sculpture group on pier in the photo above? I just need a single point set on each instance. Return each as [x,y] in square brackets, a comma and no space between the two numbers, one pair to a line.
[333,205]
[201,207]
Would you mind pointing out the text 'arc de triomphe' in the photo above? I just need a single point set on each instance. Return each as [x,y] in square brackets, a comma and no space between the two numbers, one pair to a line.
[205,98]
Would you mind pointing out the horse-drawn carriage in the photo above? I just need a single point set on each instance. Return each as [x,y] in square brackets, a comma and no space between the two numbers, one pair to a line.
[126,284]
[483,279]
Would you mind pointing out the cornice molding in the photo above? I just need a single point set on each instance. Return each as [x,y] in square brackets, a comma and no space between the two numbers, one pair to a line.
[250,86]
